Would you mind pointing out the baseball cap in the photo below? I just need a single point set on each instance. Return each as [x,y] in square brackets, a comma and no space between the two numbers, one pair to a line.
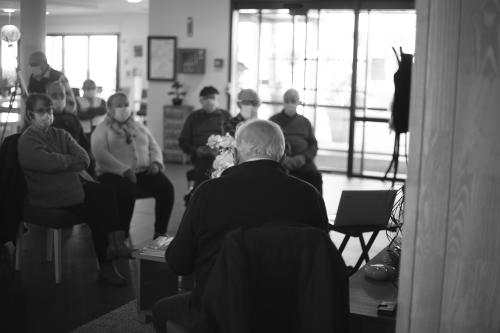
[207,91]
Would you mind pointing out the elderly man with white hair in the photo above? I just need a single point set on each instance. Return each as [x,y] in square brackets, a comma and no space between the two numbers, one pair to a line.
[254,192]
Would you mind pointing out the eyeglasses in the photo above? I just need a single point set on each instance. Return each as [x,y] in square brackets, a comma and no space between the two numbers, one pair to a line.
[252,103]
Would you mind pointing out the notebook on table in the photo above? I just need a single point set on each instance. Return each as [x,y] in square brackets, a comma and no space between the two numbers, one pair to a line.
[365,208]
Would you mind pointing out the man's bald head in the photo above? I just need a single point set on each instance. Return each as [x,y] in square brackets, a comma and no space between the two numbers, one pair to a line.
[260,139]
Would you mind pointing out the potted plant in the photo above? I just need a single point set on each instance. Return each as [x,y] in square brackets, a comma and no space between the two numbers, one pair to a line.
[178,92]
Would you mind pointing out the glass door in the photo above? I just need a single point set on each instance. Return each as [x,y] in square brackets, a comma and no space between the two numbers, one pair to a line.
[314,53]
[276,51]
[379,32]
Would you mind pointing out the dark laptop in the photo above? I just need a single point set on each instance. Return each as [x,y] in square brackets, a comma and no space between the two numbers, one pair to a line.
[365,208]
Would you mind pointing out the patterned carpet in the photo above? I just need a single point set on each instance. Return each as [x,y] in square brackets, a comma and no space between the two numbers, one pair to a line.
[121,320]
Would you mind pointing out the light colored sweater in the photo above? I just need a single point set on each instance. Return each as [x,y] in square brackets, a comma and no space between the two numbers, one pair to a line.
[51,161]
[114,155]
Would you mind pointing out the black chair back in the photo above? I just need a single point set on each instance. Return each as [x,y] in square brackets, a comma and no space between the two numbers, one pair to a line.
[278,278]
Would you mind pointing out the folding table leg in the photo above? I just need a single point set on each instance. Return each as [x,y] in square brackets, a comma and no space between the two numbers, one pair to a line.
[344,243]
[364,248]
[370,243]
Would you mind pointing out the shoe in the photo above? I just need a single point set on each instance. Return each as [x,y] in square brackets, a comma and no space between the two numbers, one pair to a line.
[159,234]
[109,275]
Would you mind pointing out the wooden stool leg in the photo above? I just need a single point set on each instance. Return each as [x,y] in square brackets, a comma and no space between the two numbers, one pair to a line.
[50,243]
[179,284]
[57,254]
[19,245]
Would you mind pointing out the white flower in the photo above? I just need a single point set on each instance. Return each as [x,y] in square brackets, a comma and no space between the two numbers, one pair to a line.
[225,146]
[226,141]
[213,141]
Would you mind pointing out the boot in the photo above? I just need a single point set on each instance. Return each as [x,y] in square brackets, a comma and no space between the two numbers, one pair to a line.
[109,275]
[117,247]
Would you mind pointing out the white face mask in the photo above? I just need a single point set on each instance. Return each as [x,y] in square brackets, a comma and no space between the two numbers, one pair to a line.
[209,104]
[290,108]
[121,114]
[248,111]
[90,93]
[59,104]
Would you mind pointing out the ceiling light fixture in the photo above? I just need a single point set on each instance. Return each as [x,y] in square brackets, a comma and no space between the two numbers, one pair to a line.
[134,1]
[9,10]
[10,33]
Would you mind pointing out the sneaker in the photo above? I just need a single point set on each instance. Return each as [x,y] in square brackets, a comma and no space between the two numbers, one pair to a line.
[109,275]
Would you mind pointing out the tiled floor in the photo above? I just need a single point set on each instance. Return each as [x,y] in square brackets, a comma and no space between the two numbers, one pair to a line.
[333,185]
[39,305]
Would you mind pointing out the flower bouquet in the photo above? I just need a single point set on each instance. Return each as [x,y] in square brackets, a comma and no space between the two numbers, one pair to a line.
[224,145]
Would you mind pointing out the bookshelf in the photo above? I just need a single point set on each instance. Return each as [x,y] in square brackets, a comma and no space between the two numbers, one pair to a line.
[173,120]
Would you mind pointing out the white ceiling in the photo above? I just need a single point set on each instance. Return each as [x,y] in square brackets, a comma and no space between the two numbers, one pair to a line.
[78,7]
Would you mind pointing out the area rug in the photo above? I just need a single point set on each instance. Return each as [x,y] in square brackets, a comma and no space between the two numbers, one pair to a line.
[121,320]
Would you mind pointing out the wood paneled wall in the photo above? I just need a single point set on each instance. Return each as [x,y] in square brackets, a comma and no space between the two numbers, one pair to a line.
[450,273]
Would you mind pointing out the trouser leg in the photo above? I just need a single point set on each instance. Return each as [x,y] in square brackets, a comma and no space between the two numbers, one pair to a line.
[160,187]
[177,308]
[125,192]
[99,211]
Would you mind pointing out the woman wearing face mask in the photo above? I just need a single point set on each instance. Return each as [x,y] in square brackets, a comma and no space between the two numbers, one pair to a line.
[68,121]
[129,158]
[248,103]
[53,165]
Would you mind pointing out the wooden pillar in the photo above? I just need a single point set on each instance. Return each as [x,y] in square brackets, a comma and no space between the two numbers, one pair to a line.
[450,271]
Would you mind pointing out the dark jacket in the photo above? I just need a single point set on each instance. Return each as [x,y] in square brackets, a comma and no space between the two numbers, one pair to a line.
[12,189]
[40,85]
[299,136]
[199,125]
[250,194]
[277,278]
[231,124]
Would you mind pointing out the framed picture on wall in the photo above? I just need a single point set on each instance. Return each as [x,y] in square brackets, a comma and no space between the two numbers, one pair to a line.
[161,58]
[191,61]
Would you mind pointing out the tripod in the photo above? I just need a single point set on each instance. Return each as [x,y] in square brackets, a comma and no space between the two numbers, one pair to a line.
[395,159]
[24,93]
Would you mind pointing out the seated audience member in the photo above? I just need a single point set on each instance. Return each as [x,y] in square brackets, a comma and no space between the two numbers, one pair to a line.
[199,125]
[248,103]
[42,74]
[53,164]
[128,158]
[255,192]
[301,142]
[68,121]
[91,109]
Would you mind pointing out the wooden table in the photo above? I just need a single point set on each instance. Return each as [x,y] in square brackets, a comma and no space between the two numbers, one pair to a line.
[365,295]
[155,282]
